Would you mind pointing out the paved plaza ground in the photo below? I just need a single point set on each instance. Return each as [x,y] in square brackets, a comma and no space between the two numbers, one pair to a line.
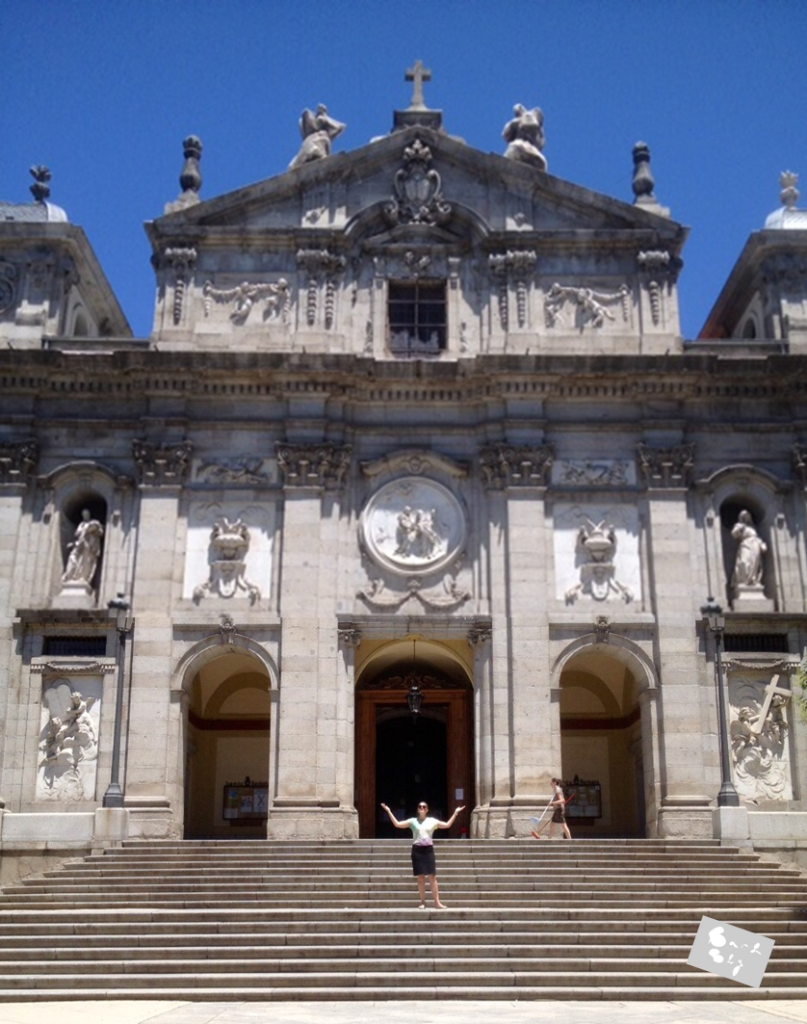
[98,1011]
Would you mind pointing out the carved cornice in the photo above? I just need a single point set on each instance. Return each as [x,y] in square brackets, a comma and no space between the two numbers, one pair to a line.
[416,462]
[323,465]
[160,465]
[666,467]
[18,460]
[74,666]
[506,465]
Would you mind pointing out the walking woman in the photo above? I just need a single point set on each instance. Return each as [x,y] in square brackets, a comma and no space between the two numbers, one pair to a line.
[423,828]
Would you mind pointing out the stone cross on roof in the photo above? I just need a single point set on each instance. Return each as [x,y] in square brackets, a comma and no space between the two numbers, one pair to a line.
[418,74]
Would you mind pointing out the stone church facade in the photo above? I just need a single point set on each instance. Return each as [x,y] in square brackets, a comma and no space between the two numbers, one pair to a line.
[415,428]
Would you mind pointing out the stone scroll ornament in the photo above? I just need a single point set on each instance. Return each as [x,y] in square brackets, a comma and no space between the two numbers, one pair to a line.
[597,543]
[591,306]
[68,744]
[758,739]
[229,543]
[244,296]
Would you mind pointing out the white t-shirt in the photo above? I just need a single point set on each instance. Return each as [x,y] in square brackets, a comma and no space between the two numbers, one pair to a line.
[423,830]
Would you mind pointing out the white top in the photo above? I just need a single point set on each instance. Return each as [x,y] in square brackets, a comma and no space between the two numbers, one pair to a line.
[423,830]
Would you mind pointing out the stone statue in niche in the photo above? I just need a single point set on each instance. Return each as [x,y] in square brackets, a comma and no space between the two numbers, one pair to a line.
[229,543]
[68,744]
[84,552]
[524,135]
[318,130]
[748,560]
[597,544]
[758,733]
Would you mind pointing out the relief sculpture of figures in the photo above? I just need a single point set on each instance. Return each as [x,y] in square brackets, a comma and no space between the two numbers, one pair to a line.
[85,550]
[416,534]
[318,130]
[758,741]
[69,742]
[748,560]
[524,135]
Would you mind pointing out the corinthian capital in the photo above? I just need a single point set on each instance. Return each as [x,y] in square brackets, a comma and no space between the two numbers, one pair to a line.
[323,465]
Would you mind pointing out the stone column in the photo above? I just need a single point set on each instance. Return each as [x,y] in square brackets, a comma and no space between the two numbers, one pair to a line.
[309,796]
[18,460]
[154,776]
[515,477]
[685,796]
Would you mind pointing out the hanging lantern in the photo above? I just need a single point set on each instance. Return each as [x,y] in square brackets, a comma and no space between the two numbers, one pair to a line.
[414,697]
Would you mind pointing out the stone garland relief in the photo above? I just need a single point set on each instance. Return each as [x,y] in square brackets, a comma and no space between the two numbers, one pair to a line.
[758,735]
[597,553]
[68,739]
[591,308]
[276,300]
[237,471]
[229,551]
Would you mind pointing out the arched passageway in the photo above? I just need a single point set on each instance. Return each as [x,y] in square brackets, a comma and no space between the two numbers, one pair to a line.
[227,748]
[601,746]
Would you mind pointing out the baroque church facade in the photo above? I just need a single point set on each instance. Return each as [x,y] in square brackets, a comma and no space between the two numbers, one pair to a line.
[414,491]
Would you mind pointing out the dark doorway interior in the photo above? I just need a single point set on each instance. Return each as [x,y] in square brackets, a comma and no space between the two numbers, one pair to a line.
[410,766]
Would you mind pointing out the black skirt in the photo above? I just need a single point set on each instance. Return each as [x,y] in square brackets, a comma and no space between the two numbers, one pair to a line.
[423,860]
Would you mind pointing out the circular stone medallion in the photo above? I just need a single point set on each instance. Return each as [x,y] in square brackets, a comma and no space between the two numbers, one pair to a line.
[413,526]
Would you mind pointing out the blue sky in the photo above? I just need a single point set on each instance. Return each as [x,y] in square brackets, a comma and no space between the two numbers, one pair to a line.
[104,92]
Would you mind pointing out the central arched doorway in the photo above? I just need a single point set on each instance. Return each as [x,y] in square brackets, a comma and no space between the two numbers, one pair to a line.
[401,758]
[227,748]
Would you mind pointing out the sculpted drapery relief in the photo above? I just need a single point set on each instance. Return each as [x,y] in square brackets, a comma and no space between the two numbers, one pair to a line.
[597,552]
[276,296]
[229,550]
[591,307]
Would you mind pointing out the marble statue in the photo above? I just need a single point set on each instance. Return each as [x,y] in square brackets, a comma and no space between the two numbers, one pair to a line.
[85,550]
[318,130]
[524,135]
[748,560]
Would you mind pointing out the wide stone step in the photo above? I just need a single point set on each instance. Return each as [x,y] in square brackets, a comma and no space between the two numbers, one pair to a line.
[422,972]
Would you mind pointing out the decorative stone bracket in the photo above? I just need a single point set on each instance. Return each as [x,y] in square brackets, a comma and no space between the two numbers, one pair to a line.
[505,465]
[315,263]
[161,465]
[518,265]
[666,467]
[18,460]
[322,465]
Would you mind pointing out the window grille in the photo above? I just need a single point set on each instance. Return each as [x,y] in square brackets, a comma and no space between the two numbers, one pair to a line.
[417,318]
[75,646]
[769,643]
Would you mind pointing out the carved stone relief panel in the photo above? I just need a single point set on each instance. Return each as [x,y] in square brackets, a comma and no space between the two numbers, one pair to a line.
[229,550]
[597,553]
[273,299]
[581,308]
[70,721]
[413,526]
[758,728]
[242,470]
[594,473]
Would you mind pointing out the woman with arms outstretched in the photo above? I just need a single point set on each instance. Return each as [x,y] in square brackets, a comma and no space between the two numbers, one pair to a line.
[423,828]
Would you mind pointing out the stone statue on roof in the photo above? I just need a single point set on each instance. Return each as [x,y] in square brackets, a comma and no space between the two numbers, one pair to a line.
[318,130]
[524,135]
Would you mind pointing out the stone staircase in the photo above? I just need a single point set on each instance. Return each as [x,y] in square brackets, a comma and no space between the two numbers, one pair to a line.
[587,919]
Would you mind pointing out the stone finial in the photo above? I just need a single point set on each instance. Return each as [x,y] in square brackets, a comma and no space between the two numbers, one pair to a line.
[789,194]
[190,179]
[643,183]
[40,189]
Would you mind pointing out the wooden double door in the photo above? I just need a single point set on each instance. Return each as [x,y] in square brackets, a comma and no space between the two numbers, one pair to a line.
[401,759]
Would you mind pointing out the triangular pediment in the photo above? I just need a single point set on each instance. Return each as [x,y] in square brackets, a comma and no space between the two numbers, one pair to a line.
[473,195]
